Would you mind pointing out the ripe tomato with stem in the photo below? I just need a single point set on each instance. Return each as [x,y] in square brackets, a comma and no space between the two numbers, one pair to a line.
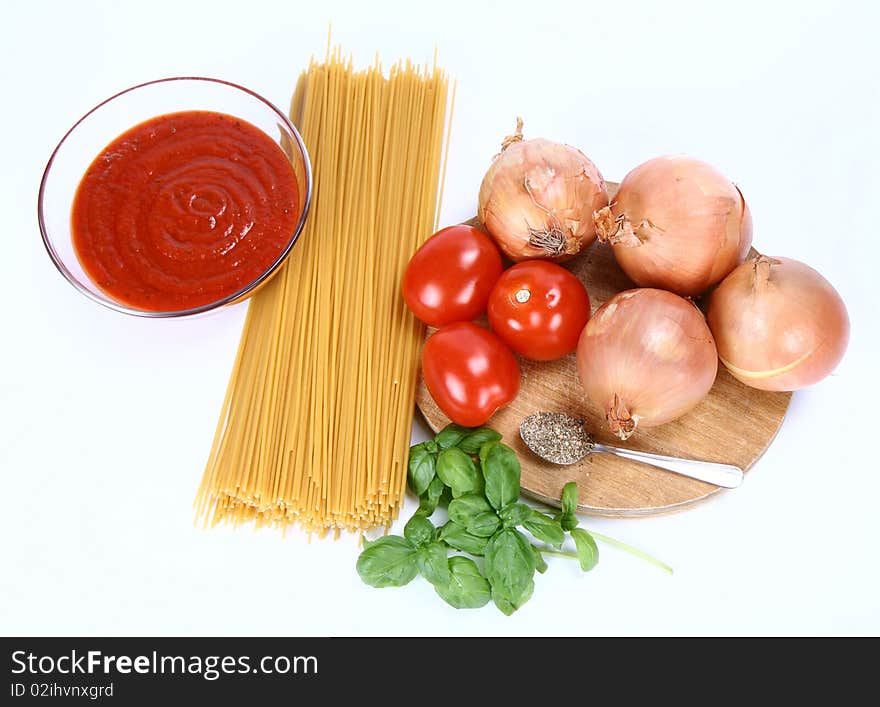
[539,309]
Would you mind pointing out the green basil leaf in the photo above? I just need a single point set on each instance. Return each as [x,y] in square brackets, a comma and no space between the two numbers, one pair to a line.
[419,530]
[480,487]
[389,561]
[466,588]
[457,471]
[473,441]
[485,448]
[484,524]
[587,551]
[431,561]
[451,435]
[568,522]
[506,607]
[540,562]
[501,471]
[545,529]
[510,569]
[431,498]
[515,514]
[464,508]
[569,499]
[421,468]
[432,447]
[457,537]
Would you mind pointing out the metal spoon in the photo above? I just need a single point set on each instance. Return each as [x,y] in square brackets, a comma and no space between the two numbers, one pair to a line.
[562,439]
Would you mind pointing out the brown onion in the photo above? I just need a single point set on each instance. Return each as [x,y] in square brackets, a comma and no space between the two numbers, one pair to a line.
[677,223]
[538,199]
[645,358]
[778,324]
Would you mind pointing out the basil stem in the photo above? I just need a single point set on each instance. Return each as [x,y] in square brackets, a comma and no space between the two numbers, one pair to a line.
[620,545]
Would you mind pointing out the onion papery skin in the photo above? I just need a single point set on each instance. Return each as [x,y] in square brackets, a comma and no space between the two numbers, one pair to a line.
[677,223]
[538,199]
[646,357]
[778,324]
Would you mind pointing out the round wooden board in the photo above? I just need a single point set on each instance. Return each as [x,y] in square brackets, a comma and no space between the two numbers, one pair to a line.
[733,424]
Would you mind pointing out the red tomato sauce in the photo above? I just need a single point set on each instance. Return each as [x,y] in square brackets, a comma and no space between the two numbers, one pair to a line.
[184,209]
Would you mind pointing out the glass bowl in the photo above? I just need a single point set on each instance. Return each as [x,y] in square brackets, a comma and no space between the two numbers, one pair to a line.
[112,117]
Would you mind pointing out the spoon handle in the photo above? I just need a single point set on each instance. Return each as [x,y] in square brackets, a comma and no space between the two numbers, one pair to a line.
[725,475]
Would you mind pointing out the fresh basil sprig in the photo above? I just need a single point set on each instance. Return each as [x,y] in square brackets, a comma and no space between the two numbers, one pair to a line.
[502,471]
[432,496]
[587,552]
[458,538]
[567,518]
[545,529]
[478,479]
[422,466]
[510,569]
[466,588]
[432,561]
[464,509]
[458,471]
[419,530]
[388,562]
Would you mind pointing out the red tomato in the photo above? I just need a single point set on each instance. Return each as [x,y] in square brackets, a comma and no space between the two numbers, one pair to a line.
[539,309]
[469,372]
[450,277]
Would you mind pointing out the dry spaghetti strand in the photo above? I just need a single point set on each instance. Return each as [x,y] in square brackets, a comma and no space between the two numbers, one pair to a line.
[315,426]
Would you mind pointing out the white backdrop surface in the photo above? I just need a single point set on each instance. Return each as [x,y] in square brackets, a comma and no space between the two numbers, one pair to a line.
[106,420]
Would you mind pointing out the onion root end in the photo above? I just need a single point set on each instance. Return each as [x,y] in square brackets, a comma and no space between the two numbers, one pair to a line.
[620,420]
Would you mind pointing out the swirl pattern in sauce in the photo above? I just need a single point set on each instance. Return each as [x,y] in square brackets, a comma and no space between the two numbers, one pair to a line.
[184,210]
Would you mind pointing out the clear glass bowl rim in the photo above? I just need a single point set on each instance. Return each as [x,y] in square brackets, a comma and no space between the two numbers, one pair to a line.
[229,299]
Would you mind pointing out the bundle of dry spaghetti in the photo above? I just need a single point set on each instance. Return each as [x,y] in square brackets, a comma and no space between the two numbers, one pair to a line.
[315,426]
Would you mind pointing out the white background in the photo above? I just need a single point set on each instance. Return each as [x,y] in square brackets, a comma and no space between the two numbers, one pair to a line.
[106,420]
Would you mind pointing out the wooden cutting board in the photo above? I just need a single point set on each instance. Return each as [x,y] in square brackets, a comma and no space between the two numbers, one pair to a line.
[733,424]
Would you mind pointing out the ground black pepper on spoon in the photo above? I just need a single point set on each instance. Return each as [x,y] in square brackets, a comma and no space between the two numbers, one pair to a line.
[562,439]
